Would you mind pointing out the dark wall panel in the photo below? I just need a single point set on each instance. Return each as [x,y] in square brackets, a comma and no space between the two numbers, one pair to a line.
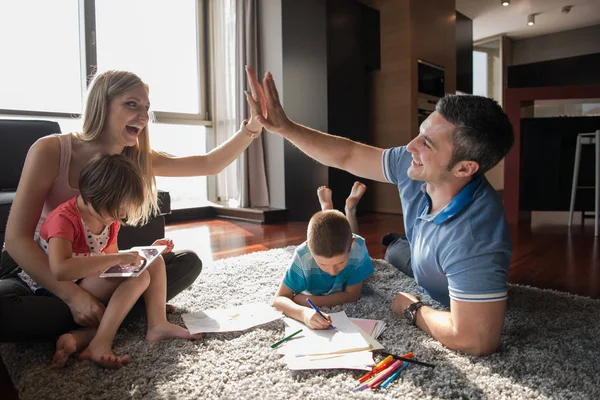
[572,71]
[464,53]
[547,157]
[353,51]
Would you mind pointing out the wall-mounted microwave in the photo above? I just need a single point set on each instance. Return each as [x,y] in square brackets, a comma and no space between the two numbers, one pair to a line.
[430,79]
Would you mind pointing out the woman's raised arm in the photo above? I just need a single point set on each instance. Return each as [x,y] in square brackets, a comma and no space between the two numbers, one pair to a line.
[217,159]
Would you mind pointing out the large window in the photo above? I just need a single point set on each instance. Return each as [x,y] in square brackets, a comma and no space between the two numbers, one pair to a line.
[47,60]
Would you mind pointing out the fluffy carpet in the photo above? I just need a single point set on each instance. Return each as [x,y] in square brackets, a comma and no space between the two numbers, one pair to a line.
[550,349]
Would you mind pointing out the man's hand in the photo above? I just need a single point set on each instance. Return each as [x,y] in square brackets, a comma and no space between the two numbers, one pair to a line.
[401,301]
[164,242]
[313,320]
[87,310]
[272,116]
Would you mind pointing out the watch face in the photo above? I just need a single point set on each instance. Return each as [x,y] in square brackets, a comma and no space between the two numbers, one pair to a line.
[408,314]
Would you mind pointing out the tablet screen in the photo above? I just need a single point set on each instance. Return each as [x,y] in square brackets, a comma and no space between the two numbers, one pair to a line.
[149,253]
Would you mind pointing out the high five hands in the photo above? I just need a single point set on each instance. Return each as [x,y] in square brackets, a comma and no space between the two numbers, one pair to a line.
[265,104]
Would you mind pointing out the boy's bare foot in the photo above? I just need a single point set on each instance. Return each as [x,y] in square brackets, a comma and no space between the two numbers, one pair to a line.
[104,356]
[70,343]
[167,330]
[324,195]
[358,189]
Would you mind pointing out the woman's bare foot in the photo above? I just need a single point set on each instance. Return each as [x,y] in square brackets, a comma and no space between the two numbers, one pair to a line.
[324,195]
[70,343]
[167,330]
[358,189]
[104,356]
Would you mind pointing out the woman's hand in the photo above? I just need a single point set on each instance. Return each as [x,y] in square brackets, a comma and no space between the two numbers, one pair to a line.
[86,309]
[270,114]
[164,242]
[256,101]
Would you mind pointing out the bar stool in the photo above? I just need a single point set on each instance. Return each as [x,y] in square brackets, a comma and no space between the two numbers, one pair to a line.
[586,138]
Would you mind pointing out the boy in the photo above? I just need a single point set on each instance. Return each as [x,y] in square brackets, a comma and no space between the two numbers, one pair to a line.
[330,267]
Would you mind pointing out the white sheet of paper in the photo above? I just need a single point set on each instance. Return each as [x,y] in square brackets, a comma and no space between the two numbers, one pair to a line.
[232,319]
[362,360]
[346,338]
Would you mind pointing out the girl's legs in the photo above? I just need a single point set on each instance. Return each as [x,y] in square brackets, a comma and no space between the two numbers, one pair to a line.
[154,298]
[70,343]
[119,303]
[358,189]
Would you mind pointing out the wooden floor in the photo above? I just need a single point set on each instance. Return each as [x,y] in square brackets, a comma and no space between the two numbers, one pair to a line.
[546,254]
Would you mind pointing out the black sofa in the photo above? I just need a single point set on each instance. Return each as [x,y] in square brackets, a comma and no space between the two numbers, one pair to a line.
[16,137]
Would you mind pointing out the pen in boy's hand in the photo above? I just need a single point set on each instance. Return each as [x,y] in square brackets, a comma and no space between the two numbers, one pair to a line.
[319,312]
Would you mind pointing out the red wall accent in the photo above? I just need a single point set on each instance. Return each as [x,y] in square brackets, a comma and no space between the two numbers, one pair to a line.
[513,100]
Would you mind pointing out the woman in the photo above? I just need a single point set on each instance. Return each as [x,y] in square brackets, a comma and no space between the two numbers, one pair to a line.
[115,121]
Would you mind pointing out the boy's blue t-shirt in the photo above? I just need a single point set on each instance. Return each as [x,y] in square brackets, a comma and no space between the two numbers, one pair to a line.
[464,251]
[305,276]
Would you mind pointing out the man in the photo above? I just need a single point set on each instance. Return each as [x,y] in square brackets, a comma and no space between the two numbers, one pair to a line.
[455,226]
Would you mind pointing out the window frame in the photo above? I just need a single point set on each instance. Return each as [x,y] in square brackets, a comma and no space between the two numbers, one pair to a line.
[88,62]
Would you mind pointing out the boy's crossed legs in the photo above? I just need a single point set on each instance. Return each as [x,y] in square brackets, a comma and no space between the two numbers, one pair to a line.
[358,189]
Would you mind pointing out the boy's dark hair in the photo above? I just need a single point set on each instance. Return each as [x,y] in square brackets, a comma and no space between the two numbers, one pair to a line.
[329,234]
[483,131]
[109,182]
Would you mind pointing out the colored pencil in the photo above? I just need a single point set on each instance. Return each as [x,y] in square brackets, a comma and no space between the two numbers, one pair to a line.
[285,339]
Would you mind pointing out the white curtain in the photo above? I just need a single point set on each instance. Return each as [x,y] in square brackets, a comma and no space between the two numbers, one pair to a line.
[226,91]
[243,183]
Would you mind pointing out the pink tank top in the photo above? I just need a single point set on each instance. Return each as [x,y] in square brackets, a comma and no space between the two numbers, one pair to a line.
[61,190]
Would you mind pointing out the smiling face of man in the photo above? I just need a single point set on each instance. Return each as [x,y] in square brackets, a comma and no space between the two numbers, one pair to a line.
[432,150]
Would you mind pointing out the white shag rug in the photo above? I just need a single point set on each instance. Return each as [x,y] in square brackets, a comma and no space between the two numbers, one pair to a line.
[550,349]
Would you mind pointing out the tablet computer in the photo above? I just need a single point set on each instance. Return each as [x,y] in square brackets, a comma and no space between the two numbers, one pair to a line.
[149,253]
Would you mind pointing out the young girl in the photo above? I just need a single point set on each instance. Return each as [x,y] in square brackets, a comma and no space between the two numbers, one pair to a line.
[80,238]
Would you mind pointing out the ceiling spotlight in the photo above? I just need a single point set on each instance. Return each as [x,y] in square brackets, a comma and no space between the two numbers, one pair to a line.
[531,20]
[505,3]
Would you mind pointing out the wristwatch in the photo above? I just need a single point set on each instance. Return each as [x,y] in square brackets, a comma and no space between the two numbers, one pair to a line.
[410,312]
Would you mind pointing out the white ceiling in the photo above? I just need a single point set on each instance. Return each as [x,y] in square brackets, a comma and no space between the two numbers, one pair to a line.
[490,18]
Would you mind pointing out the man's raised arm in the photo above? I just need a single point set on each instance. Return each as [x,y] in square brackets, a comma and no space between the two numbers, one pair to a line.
[334,151]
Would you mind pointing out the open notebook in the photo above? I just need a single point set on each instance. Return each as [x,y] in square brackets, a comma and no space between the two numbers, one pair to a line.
[345,339]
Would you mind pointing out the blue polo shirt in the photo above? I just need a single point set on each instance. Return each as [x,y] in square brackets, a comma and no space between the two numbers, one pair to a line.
[305,276]
[464,251]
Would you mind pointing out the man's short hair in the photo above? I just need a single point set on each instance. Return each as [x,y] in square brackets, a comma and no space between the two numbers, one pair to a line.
[483,132]
[329,234]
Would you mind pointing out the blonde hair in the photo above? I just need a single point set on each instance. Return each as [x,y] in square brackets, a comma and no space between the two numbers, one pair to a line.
[103,88]
[109,182]
[329,234]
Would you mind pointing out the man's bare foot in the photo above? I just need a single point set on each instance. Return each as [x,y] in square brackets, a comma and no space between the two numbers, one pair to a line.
[358,189]
[104,356]
[324,195]
[167,330]
[170,309]
[70,343]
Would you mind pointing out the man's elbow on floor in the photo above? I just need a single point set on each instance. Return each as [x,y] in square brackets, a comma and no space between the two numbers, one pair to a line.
[477,346]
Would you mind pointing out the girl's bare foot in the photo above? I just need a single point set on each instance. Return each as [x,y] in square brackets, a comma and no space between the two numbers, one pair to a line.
[167,330]
[104,356]
[324,195]
[358,189]
[70,343]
